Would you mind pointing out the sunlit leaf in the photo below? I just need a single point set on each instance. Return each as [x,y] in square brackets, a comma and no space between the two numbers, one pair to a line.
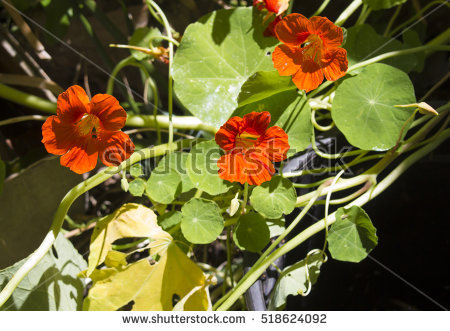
[274,198]
[352,236]
[177,161]
[202,221]
[276,227]
[363,107]
[169,220]
[201,166]
[149,287]
[294,280]
[268,91]
[130,220]
[52,284]
[251,233]
[137,187]
[136,170]
[164,185]
[141,38]
[216,56]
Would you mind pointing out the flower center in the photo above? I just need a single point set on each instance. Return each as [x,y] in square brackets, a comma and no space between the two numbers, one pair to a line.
[313,48]
[246,140]
[88,125]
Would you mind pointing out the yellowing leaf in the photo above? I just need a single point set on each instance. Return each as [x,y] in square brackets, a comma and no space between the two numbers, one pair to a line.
[130,220]
[150,287]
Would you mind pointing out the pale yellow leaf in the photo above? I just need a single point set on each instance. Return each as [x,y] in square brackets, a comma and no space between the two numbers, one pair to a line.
[130,220]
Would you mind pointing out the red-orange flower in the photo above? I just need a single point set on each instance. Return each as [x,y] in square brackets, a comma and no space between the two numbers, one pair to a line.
[82,131]
[251,148]
[274,7]
[309,51]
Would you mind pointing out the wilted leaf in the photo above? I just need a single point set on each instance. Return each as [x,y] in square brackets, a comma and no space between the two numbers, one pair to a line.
[130,220]
[149,287]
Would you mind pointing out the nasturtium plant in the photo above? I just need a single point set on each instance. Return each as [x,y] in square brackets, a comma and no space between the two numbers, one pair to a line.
[363,107]
[274,198]
[353,236]
[201,221]
[216,56]
[205,215]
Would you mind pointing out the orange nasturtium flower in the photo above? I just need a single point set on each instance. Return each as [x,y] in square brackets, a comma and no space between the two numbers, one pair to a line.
[274,7]
[251,148]
[82,131]
[309,51]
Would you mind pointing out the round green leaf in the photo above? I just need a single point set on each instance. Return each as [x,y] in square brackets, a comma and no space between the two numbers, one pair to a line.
[268,91]
[352,236]
[274,198]
[363,107]
[137,187]
[251,233]
[201,167]
[216,56]
[202,221]
[164,185]
[136,170]
[382,4]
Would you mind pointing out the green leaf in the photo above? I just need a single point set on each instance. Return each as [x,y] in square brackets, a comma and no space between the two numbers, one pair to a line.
[150,287]
[364,43]
[382,4]
[137,187]
[363,107]
[293,280]
[28,204]
[136,170]
[202,221]
[274,198]
[268,91]
[141,38]
[411,39]
[251,233]
[177,161]
[169,220]
[216,56]
[164,184]
[57,18]
[352,236]
[52,284]
[201,167]
[2,175]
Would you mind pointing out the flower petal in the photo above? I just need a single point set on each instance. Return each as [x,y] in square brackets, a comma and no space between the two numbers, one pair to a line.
[286,59]
[256,122]
[72,104]
[112,116]
[335,64]
[114,147]
[309,76]
[250,167]
[293,29]
[277,6]
[81,158]
[274,143]
[226,136]
[58,136]
[331,34]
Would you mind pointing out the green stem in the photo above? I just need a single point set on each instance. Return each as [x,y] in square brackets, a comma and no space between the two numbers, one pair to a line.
[229,253]
[173,41]
[67,201]
[291,5]
[26,99]
[151,3]
[317,125]
[363,15]
[245,198]
[255,273]
[348,12]
[23,119]
[321,8]
[129,245]
[392,20]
